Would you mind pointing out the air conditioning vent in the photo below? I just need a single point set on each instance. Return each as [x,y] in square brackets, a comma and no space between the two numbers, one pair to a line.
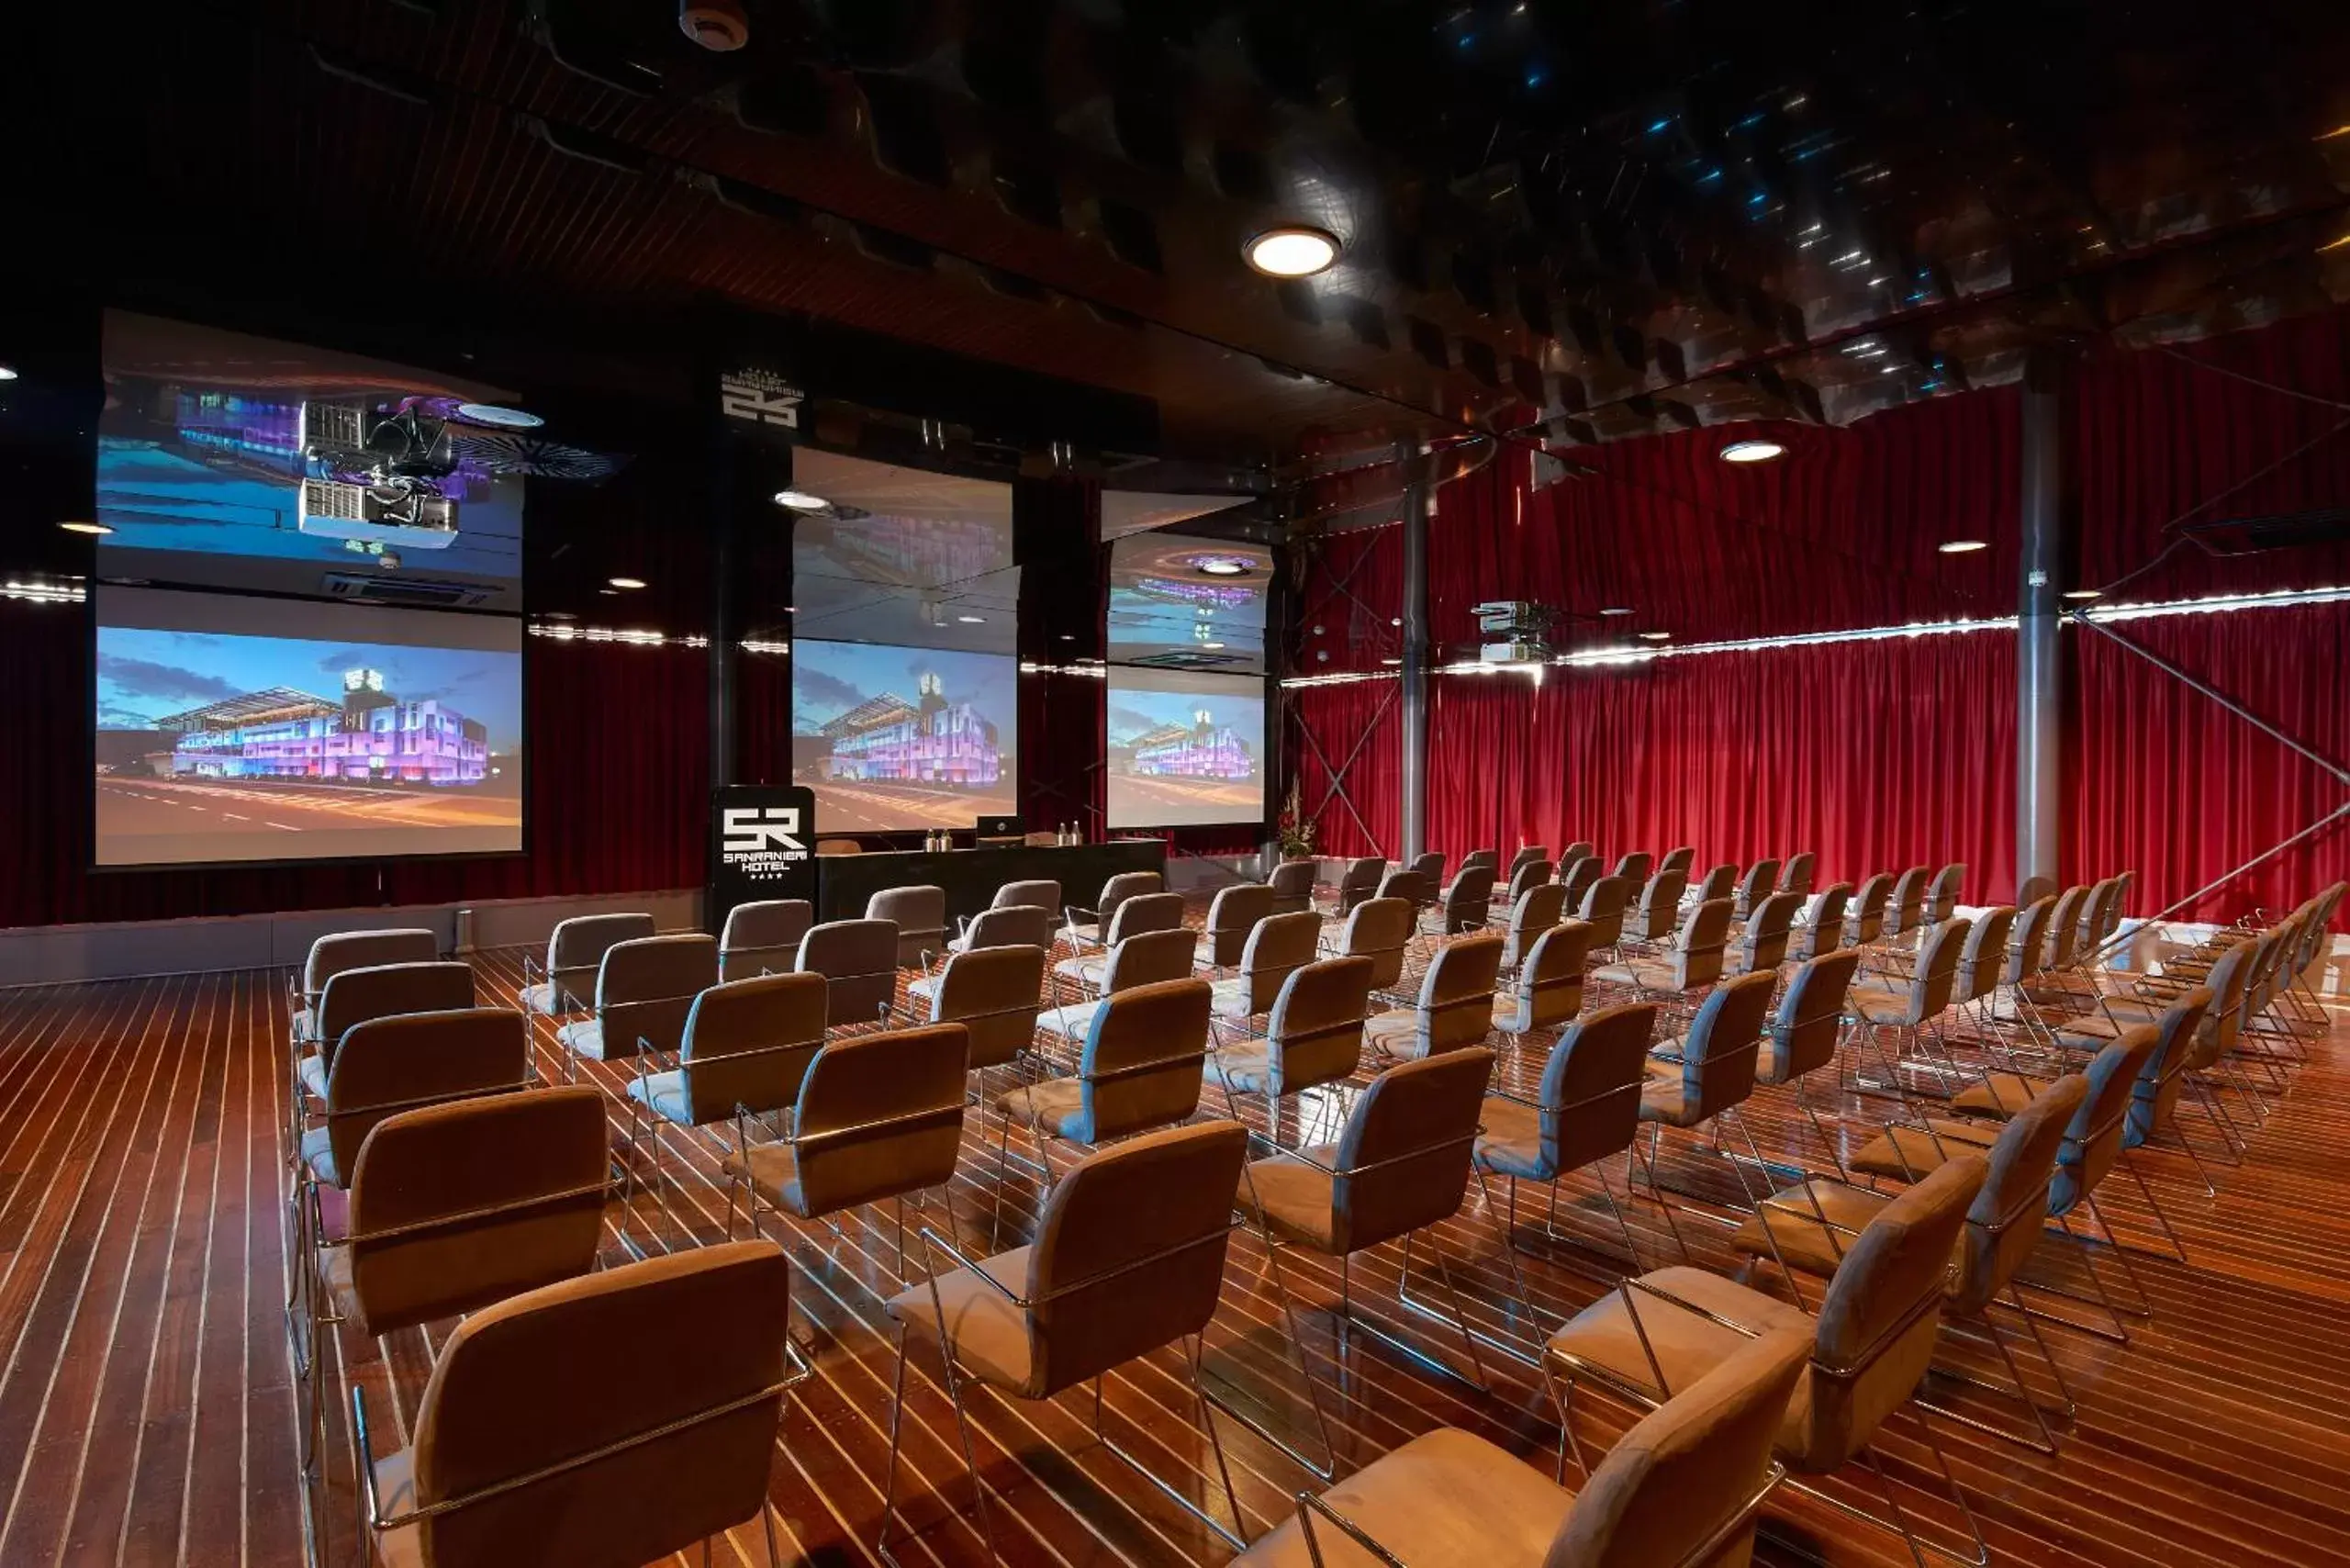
[2258,535]
[389,589]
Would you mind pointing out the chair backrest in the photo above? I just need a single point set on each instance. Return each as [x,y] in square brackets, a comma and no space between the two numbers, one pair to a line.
[1678,1490]
[1124,886]
[1406,884]
[380,991]
[1718,1055]
[1531,912]
[340,950]
[1603,909]
[858,959]
[1941,897]
[457,1205]
[2008,1216]
[1141,913]
[1527,874]
[1575,851]
[1796,876]
[2224,1020]
[879,1115]
[1402,1159]
[1548,988]
[577,946]
[1359,880]
[1756,886]
[1590,1091]
[1720,883]
[1763,945]
[1576,877]
[1680,858]
[1130,1251]
[1660,905]
[1456,1004]
[1277,947]
[1824,932]
[1011,925]
[1908,906]
[2028,939]
[1469,899]
[1430,865]
[1232,917]
[2064,927]
[1145,1059]
[1147,960]
[1485,858]
[1867,923]
[1697,953]
[1983,958]
[764,935]
[1635,867]
[646,985]
[920,914]
[1875,1336]
[1811,1016]
[840,846]
[2094,918]
[2093,1141]
[1315,1035]
[1380,930]
[1292,886]
[1935,978]
[684,1445]
[1042,892]
[994,993]
[1527,853]
[748,1043]
[404,1060]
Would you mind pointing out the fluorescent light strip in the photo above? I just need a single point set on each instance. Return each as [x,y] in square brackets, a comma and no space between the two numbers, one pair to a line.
[1340,678]
[43,593]
[634,639]
[2217,603]
[1097,671]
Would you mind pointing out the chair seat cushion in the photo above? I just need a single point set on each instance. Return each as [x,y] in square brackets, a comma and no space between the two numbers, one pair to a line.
[924,989]
[1058,1106]
[543,998]
[1245,1067]
[585,1039]
[396,1494]
[312,1070]
[1687,1346]
[664,1093]
[1803,1241]
[318,1156]
[2001,1094]
[990,1334]
[1086,972]
[1665,1097]
[1394,1034]
[1511,1144]
[1646,977]
[1911,1153]
[1879,1004]
[1446,1499]
[1074,1022]
[1229,998]
[303,1019]
[1292,1198]
[773,1171]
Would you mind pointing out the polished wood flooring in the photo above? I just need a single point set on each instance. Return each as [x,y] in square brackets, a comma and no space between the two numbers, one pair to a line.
[148,1411]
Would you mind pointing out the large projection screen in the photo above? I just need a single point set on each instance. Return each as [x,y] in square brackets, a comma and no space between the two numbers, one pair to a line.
[236,730]
[1185,749]
[1194,604]
[893,738]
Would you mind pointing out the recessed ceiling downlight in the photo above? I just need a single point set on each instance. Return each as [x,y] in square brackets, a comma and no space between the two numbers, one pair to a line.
[1291,251]
[99,529]
[1962,546]
[801,500]
[1752,452]
[1223,566]
[626,582]
[504,419]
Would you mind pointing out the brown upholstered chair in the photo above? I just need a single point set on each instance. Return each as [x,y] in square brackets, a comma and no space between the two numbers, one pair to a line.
[1139,914]
[352,997]
[1143,1066]
[1380,930]
[745,1046]
[1277,947]
[1312,1037]
[1708,1073]
[1129,1257]
[1586,1108]
[858,959]
[1680,1490]
[840,846]
[566,982]
[1090,928]
[1873,1340]
[1807,1229]
[1905,913]
[1467,902]
[1689,966]
[1761,945]
[1576,851]
[1867,925]
[995,993]
[1804,1030]
[1361,881]
[1720,883]
[1943,894]
[1147,960]
[1546,989]
[644,988]
[1232,917]
[1531,912]
[1602,909]
[1400,1164]
[878,1116]
[1796,876]
[1635,867]
[513,1448]
[1039,892]
[919,915]
[763,937]
[1527,853]
[405,1061]
[1430,866]
[1293,887]
[1005,925]
[1455,1007]
[1821,929]
[1525,875]
[1913,1005]
[1680,858]
[1760,880]
[340,950]
[1407,884]
[1652,917]
[1576,877]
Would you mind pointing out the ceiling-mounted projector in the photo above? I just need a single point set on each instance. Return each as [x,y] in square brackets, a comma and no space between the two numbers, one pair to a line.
[1514,632]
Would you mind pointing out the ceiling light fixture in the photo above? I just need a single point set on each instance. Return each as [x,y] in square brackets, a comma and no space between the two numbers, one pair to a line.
[1223,566]
[1752,452]
[1656,636]
[90,528]
[801,500]
[1616,609]
[1212,647]
[1291,251]
[2084,593]
[972,620]
[1962,546]
[7,373]
[503,419]
[626,582]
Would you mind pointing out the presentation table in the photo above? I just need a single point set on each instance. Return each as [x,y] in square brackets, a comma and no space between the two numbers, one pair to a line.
[971,875]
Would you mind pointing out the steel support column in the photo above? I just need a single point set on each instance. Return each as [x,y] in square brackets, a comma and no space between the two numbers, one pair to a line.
[1414,762]
[2039,651]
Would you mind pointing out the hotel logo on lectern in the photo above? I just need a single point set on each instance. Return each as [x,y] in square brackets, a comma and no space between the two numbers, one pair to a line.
[764,842]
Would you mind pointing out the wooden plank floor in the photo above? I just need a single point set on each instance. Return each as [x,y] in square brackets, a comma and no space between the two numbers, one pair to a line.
[148,1409]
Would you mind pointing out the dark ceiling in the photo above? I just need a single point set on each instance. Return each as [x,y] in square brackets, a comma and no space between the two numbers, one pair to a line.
[1577,222]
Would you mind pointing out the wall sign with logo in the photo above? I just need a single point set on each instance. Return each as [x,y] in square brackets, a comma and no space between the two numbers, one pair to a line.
[753,395]
[761,845]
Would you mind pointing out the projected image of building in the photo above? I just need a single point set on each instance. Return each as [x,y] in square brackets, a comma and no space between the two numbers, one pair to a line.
[1203,750]
[371,736]
[928,740]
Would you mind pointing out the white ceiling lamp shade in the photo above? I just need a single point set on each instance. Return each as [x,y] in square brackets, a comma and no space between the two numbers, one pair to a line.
[1754,450]
[1292,250]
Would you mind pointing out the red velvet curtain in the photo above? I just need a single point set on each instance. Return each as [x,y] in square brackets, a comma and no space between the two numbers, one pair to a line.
[1343,749]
